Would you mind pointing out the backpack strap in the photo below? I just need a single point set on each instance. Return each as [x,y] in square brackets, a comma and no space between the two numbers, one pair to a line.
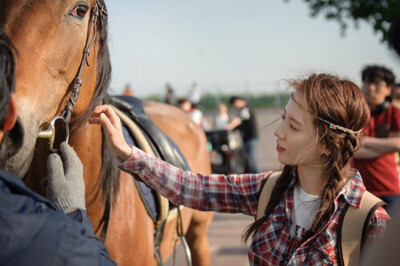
[266,191]
[353,227]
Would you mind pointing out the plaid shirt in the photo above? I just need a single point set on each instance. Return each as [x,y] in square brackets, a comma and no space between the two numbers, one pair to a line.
[239,194]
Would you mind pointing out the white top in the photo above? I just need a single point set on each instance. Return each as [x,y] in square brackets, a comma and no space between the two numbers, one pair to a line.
[305,207]
[220,121]
[197,116]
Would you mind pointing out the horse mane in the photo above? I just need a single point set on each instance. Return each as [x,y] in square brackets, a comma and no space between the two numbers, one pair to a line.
[110,177]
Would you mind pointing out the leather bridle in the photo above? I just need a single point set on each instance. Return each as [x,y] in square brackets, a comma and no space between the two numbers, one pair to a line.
[98,11]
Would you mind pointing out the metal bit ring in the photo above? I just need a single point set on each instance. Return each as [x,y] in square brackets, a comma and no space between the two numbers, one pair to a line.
[50,132]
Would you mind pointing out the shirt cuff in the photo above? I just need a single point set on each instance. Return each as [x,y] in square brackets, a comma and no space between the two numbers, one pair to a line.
[135,162]
[120,161]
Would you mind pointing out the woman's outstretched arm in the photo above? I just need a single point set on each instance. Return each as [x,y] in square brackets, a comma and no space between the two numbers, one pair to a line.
[232,193]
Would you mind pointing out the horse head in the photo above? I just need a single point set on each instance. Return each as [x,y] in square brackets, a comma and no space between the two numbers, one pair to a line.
[50,38]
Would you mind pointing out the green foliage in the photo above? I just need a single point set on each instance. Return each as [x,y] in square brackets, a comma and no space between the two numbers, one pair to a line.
[211,101]
[379,13]
[154,97]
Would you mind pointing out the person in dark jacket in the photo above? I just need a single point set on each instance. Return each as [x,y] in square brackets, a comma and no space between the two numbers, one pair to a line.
[245,122]
[35,230]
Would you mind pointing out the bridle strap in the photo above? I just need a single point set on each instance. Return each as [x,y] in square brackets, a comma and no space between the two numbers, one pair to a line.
[97,11]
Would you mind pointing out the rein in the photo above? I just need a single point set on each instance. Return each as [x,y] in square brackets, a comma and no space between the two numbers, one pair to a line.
[98,10]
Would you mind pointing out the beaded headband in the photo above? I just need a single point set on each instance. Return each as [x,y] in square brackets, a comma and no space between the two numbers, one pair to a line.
[331,125]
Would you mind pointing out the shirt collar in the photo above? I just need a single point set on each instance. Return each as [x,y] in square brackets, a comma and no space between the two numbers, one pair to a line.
[353,190]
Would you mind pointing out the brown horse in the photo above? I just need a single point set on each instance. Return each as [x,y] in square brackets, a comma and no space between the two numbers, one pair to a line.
[50,37]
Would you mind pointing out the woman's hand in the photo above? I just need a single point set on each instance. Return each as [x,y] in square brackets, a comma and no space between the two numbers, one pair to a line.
[105,116]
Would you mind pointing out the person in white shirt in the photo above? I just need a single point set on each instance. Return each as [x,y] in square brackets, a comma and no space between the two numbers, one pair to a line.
[196,114]
[222,118]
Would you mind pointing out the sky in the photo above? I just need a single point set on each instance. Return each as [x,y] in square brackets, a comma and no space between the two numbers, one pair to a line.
[232,46]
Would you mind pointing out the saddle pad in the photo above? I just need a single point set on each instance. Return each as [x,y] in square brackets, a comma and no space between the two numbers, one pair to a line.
[140,127]
[149,196]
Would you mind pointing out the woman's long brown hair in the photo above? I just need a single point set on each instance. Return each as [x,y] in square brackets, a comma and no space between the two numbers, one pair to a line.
[340,102]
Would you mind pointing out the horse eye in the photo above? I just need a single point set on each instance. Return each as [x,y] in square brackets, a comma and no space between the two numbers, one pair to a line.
[80,11]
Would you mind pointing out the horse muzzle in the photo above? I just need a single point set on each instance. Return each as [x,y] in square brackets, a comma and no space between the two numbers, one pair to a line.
[15,154]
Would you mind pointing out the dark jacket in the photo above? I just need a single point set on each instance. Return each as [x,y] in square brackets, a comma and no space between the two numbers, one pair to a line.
[34,232]
[248,127]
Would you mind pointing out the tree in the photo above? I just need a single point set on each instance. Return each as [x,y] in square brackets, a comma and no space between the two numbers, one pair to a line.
[379,13]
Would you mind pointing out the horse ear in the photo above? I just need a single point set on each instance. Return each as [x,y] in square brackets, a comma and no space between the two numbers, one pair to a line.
[11,116]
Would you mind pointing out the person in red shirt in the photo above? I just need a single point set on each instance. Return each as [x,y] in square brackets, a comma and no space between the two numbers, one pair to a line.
[376,158]
[396,95]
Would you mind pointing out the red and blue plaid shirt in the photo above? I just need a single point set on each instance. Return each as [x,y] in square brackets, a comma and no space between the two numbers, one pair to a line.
[239,194]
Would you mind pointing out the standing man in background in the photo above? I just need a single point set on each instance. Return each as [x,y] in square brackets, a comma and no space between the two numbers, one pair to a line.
[376,158]
[396,95]
[194,95]
[396,103]
[245,122]
[170,94]
[128,90]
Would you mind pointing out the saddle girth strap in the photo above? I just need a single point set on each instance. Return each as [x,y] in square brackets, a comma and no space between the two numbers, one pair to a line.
[145,146]
[158,234]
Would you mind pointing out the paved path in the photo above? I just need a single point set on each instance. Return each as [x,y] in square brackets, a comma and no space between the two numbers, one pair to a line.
[226,245]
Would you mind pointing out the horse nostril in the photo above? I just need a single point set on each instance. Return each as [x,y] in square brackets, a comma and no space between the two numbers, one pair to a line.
[13,140]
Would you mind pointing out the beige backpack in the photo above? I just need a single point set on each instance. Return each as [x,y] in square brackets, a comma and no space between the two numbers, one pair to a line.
[352,225]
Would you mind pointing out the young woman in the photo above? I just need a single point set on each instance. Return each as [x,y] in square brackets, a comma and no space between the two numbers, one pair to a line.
[320,130]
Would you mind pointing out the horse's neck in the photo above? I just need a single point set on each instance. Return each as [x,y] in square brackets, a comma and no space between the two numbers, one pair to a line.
[88,144]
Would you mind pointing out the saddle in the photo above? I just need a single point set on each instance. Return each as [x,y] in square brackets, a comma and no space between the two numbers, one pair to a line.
[139,130]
